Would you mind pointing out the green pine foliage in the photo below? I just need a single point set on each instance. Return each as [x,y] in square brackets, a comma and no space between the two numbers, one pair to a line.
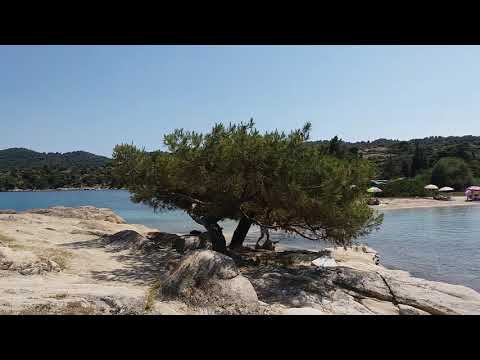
[236,172]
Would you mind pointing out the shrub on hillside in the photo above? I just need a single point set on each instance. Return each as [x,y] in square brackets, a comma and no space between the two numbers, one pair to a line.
[404,188]
[453,172]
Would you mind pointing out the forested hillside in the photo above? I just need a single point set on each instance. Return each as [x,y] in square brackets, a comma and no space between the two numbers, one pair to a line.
[452,161]
[26,169]
[395,158]
[25,158]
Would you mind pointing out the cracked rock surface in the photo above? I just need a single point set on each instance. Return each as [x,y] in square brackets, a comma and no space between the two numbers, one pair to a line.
[357,285]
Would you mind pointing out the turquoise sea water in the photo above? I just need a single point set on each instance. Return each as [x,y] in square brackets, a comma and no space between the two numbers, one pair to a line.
[117,200]
[440,244]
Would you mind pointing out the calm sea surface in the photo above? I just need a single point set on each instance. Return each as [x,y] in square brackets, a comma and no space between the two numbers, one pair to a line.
[440,244]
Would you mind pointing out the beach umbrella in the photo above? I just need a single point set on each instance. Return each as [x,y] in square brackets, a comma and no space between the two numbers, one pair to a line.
[431,187]
[474,188]
[446,188]
[374,189]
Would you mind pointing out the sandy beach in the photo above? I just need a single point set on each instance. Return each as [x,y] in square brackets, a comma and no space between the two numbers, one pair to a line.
[413,203]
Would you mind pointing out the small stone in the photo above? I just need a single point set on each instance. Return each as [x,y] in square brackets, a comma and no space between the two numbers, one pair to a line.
[5,265]
[190,242]
[27,271]
[7,211]
[53,266]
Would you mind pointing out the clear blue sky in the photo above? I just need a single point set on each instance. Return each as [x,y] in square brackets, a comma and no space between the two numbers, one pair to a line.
[65,98]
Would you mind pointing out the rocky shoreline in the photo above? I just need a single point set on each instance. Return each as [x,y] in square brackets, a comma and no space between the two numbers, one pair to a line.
[87,260]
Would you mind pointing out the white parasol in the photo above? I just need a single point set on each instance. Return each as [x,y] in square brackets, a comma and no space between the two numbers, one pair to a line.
[446,188]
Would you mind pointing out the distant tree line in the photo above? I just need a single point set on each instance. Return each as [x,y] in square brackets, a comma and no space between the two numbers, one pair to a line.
[27,169]
[21,158]
[53,177]
[444,161]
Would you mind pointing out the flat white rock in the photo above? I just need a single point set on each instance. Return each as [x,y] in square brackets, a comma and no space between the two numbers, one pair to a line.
[324,261]
[303,311]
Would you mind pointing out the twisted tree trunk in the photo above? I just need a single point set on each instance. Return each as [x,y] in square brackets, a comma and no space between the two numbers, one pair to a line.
[214,231]
[240,233]
[215,234]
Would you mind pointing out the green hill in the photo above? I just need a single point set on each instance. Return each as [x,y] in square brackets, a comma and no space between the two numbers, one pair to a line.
[21,158]
[26,169]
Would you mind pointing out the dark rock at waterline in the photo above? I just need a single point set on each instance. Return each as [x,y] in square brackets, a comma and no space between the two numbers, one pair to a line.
[191,242]
[129,239]
[123,240]
[163,239]
[181,243]
[7,211]
[296,258]
[132,240]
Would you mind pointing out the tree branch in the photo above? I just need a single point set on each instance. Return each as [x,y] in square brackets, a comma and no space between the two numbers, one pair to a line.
[192,199]
[321,237]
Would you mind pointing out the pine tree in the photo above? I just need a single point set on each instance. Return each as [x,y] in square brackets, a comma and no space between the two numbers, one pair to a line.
[419,160]
[271,179]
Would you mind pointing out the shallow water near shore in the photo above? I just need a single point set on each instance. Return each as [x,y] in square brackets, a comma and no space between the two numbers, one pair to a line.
[439,244]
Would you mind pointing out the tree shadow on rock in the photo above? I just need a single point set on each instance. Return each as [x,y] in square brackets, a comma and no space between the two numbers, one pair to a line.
[143,260]
[139,268]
